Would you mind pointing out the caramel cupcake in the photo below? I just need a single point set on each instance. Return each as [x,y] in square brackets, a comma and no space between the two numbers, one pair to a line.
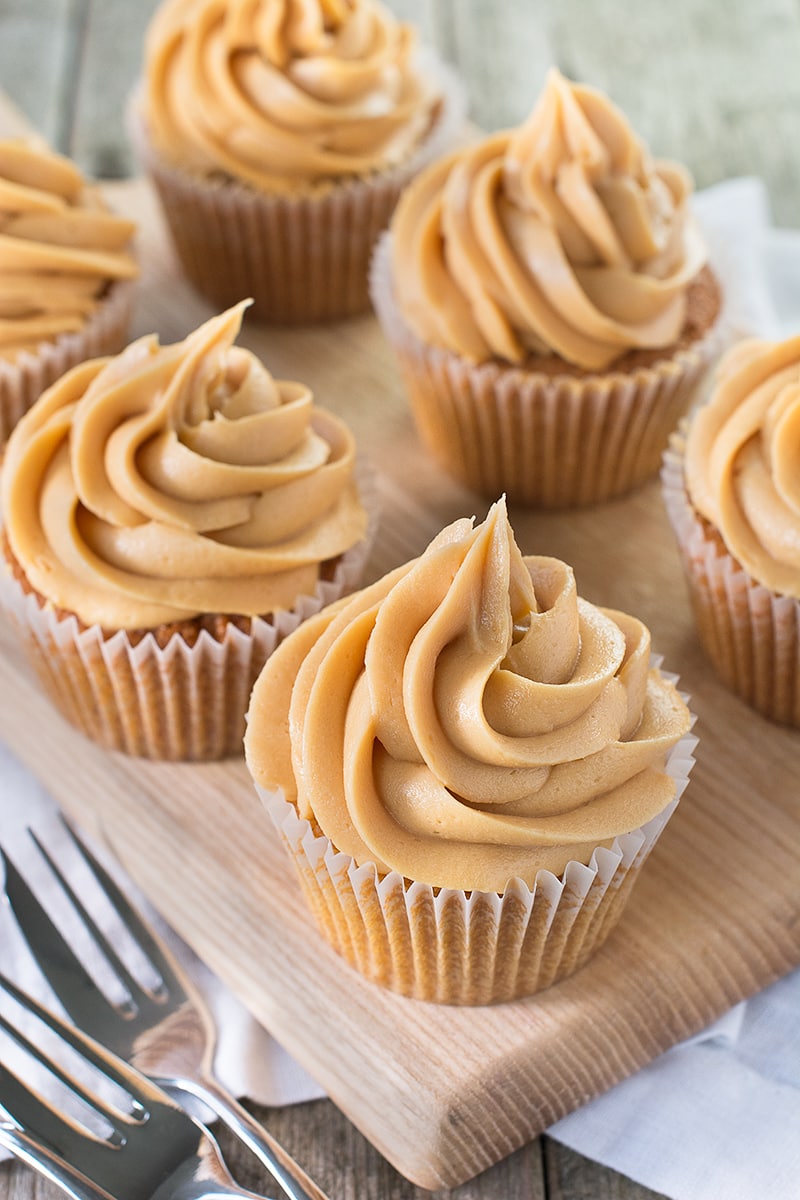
[65,271]
[170,515]
[732,489]
[279,137]
[469,765]
[549,299]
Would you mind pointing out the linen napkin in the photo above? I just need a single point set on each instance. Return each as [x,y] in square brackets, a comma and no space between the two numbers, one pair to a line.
[718,1115]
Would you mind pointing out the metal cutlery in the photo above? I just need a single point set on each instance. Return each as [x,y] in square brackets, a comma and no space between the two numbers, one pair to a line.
[166,1030]
[137,1144]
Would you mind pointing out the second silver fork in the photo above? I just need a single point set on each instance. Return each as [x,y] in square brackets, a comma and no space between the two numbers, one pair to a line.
[167,1031]
[108,1133]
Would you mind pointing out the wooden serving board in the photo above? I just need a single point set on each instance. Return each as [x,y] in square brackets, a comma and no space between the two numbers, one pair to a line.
[445,1092]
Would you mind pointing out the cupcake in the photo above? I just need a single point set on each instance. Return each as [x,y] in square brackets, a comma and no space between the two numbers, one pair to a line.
[65,271]
[171,514]
[732,490]
[279,137]
[548,297]
[468,764]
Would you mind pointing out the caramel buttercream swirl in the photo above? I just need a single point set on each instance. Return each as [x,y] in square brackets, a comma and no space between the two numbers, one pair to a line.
[468,719]
[59,247]
[173,481]
[743,460]
[563,237]
[284,93]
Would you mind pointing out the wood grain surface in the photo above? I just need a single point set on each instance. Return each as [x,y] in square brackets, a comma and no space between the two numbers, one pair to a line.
[443,1093]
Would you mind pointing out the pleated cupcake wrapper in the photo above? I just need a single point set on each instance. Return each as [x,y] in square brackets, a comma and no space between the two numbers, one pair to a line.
[456,947]
[105,332]
[751,634]
[304,257]
[546,441]
[179,702]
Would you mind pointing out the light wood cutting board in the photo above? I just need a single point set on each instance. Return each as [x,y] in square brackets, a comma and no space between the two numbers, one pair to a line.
[444,1092]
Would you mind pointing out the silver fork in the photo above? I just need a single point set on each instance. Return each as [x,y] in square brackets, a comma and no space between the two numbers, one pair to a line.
[166,1031]
[147,1147]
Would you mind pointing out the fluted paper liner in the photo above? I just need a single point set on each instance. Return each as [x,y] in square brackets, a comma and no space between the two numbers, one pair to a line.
[456,947]
[751,634]
[178,702]
[302,257]
[105,332]
[549,441]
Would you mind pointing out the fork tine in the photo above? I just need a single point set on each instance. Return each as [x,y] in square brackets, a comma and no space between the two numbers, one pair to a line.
[145,939]
[65,1140]
[141,1091]
[97,933]
[26,1101]
[119,902]
[152,1021]
[39,1118]
[54,955]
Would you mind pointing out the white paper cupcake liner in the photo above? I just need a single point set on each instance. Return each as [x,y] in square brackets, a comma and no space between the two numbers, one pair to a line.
[456,947]
[179,702]
[304,257]
[546,441]
[751,634]
[105,332]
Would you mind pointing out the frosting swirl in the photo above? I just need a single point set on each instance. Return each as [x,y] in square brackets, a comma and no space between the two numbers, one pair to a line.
[173,481]
[468,719]
[59,247]
[283,93]
[562,237]
[743,460]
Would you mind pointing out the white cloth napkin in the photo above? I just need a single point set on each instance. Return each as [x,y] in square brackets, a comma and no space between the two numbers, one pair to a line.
[719,1115]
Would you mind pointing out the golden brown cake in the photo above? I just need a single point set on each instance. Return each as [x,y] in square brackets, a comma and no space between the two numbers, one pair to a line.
[279,135]
[468,764]
[548,297]
[732,488]
[65,272]
[170,514]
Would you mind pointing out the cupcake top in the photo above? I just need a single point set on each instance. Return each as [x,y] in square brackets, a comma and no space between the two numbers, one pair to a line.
[468,719]
[284,94]
[743,460]
[563,237]
[59,247]
[174,481]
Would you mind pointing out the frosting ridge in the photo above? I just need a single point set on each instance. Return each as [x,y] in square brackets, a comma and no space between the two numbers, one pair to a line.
[561,237]
[468,719]
[59,247]
[172,481]
[743,463]
[283,93]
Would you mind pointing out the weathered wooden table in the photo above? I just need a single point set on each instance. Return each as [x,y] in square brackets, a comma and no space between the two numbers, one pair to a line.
[714,86]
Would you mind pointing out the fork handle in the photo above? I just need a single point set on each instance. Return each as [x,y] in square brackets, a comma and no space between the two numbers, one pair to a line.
[279,1163]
